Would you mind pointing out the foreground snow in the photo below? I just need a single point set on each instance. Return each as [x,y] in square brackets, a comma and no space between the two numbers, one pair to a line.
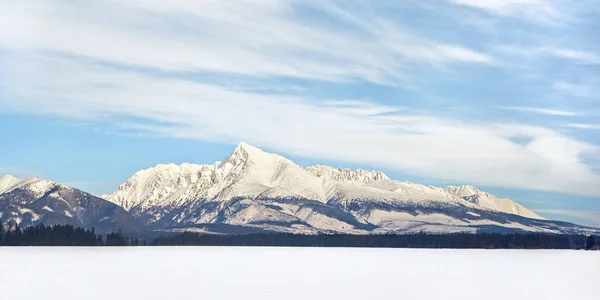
[295,273]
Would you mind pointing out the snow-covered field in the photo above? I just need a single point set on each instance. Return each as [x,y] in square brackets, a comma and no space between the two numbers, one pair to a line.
[295,273]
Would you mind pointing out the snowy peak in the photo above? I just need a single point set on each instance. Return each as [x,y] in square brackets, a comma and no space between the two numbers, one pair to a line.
[248,149]
[463,190]
[346,175]
[39,187]
[149,186]
[7,182]
[250,172]
[8,177]
[34,185]
[245,153]
[491,202]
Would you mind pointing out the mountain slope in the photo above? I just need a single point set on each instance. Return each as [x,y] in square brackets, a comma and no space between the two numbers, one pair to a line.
[252,188]
[491,202]
[7,182]
[32,201]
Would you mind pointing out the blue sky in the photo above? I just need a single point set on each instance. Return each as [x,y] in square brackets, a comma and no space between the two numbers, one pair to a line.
[502,94]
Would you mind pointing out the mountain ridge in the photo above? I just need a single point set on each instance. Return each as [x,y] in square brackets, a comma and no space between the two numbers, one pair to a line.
[251,190]
[252,187]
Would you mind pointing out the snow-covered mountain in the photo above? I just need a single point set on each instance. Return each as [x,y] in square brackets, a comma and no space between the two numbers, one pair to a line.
[32,201]
[489,201]
[252,189]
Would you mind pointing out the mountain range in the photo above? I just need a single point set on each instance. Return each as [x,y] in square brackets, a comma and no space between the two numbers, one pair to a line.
[255,191]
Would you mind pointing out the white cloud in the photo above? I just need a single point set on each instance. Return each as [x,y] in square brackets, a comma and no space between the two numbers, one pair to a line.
[534,52]
[584,57]
[544,111]
[499,5]
[583,126]
[536,10]
[355,131]
[257,38]
[570,71]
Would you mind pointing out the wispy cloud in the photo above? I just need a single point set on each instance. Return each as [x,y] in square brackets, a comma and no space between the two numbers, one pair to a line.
[584,57]
[583,126]
[544,111]
[590,217]
[358,131]
[257,38]
[574,55]
[536,10]
[501,6]
[565,73]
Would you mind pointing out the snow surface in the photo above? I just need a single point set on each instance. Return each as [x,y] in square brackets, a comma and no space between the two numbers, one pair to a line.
[296,273]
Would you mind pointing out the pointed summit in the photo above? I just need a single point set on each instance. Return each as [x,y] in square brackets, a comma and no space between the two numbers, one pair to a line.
[247,148]
[245,152]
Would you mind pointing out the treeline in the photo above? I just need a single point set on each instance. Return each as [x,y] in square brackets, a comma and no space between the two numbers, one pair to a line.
[61,235]
[67,235]
[419,240]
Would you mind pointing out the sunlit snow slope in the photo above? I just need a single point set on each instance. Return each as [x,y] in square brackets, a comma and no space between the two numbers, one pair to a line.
[264,191]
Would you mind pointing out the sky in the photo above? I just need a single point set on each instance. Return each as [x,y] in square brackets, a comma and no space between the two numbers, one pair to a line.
[501,94]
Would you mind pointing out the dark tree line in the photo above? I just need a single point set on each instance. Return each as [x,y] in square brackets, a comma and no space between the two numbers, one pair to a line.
[61,235]
[591,244]
[419,240]
[67,235]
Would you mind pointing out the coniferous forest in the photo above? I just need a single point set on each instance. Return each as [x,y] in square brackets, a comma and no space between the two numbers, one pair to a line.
[61,235]
[418,240]
[67,235]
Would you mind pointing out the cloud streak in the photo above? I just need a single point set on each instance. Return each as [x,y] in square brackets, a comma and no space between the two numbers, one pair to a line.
[257,38]
[535,10]
[583,126]
[543,111]
[584,57]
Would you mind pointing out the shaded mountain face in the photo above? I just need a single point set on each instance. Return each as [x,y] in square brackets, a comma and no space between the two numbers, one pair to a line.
[267,192]
[33,201]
